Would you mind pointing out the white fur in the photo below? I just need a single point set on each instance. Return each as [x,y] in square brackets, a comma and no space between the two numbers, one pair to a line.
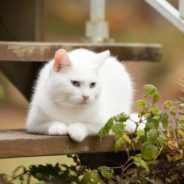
[57,107]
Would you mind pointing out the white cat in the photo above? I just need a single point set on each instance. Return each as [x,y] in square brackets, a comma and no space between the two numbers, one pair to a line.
[77,92]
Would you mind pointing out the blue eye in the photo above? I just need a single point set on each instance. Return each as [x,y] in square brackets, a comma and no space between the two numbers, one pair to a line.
[92,85]
[76,83]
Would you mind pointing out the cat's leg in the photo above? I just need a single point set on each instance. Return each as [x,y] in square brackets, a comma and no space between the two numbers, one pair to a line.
[39,122]
[57,128]
[50,128]
[79,131]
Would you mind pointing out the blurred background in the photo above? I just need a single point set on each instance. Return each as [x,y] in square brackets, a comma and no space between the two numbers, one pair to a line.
[129,21]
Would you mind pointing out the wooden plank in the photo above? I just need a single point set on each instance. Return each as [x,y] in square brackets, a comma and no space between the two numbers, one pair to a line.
[22,75]
[18,143]
[44,51]
[21,20]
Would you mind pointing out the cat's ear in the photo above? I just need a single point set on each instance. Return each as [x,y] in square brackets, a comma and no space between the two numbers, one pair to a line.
[61,60]
[101,57]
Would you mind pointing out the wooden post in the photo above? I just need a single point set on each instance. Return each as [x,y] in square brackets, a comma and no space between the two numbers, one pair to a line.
[21,20]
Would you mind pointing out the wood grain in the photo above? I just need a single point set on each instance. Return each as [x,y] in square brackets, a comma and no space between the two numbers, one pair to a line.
[44,51]
[22,20]
[19,143]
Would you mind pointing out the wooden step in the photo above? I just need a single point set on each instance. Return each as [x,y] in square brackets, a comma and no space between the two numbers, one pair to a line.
[44,51]
[19,143]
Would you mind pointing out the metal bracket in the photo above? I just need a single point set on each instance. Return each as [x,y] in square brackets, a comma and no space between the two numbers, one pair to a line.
[176,17]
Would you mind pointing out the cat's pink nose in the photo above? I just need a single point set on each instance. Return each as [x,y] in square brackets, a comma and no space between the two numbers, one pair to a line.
[85,98]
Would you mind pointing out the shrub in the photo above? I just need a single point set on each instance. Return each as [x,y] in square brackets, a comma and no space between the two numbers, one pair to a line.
[160,158]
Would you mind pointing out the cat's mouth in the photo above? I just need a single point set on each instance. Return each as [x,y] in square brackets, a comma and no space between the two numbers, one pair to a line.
[84,102]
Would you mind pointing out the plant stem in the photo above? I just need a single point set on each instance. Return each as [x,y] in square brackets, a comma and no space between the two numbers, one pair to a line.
[128,166]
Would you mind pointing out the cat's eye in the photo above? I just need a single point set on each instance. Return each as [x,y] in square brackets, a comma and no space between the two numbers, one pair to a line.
[92,85]
[76,83]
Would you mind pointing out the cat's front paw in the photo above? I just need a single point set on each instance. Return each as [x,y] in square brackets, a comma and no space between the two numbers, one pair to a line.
[57,128]
[77,132]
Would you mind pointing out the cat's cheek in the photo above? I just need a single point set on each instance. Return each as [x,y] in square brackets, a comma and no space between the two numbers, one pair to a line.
[75,99]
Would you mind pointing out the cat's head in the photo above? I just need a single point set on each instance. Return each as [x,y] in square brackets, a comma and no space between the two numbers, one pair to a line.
[75,77]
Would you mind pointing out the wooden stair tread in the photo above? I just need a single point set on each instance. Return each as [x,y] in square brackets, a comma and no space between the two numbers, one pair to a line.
[44,51]
[19,143]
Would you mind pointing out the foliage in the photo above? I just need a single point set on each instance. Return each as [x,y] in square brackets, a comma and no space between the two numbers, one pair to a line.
[61,173]
[160,158]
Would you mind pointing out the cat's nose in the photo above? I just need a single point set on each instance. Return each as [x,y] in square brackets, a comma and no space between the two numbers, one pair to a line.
[85,98]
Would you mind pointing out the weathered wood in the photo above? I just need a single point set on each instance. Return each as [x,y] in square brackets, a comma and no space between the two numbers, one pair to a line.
[21,20]
[44,51]
[20,61]
[22,75]
[18,143]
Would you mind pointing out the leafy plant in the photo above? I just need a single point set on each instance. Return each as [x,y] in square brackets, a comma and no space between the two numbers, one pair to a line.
[163,133]
[160,156]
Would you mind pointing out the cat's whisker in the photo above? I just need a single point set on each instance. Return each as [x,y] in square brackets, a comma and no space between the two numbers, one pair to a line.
[56,100]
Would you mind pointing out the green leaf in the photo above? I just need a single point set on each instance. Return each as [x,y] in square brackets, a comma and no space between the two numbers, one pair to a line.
[106,172]
[106,129]
[156,97]
[140,114]
[139,135]
[181,120]
[144,165]
[162,139]
[152,123]
[154,109]
[140,132]
[143,138]
[141,104]
[118,129]
[164,119]
[121,117]
[181,106]
[149,151]
[91,177]
[168,104]
[139,162]
[44,172]
[118,143]
[153,136]
[151,91]
[127,139]
[173,111]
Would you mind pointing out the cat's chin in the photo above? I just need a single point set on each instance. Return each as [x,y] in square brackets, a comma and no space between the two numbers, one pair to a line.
[83,103]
